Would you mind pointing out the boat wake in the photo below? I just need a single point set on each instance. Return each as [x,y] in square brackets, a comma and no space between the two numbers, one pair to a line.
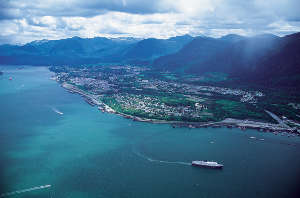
[24,190]
[57,111]
[160,161]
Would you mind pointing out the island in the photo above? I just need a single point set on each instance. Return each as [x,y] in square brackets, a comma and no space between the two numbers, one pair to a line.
[145,94]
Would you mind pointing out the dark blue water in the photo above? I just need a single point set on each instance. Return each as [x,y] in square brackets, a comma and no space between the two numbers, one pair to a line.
[86,153]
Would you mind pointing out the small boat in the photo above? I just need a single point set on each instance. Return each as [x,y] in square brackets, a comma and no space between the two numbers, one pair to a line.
[60,113]
[207,164]
[56,111]
[10,78]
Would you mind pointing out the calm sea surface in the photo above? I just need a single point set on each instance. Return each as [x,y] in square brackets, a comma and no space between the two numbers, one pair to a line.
[85,153]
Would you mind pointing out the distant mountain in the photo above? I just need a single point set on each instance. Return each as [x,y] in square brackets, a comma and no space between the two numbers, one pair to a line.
[196,52]
[280,66]
[265,59]
[65,51]
[232,38]
[78,50]
[239,55]
[153,48]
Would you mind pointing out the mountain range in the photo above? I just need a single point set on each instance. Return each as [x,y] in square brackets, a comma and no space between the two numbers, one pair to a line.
[76,50]
[265,59]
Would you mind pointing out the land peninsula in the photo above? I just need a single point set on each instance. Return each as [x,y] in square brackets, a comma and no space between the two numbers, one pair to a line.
[211,100]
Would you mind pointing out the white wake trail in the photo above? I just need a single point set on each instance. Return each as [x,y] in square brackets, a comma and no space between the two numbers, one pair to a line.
[24,190]
[160,161]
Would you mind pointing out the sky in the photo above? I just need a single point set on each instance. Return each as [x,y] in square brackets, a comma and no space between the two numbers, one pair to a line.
[23,21]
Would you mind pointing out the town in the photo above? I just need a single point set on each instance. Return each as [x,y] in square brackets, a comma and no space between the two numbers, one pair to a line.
[142,93]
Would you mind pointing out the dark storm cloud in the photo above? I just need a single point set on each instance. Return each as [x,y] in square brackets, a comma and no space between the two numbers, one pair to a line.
[10,9]
[285,9]
[268,9]
[128,6]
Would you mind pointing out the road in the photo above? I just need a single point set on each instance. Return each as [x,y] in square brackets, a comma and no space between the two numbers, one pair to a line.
[275,117]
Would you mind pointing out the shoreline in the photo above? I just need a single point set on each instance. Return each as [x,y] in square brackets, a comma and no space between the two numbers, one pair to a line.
[228,122]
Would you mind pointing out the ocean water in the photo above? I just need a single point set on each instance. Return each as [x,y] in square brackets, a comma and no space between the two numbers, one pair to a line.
[84,153]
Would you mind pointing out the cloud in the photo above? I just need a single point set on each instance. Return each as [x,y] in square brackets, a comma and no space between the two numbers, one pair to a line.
[76,8]
[23,21]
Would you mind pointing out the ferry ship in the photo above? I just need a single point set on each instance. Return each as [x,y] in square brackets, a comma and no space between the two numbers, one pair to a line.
[207,164]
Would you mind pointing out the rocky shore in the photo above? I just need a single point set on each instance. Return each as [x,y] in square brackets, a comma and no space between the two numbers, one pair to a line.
[228,122]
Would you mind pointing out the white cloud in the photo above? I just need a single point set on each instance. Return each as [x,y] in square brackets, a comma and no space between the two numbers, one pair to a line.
[23,21]
[283,27]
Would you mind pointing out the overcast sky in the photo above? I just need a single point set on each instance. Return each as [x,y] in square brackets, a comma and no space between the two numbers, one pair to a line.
[23,21]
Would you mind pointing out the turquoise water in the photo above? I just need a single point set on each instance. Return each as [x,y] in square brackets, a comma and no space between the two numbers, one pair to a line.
[85,153]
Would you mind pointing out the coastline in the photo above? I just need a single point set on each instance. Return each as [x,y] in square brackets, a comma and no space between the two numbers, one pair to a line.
[228,122]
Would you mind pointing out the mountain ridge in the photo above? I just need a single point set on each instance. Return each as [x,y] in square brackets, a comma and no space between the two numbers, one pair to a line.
[266,58]
[91,50]
[254,59]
